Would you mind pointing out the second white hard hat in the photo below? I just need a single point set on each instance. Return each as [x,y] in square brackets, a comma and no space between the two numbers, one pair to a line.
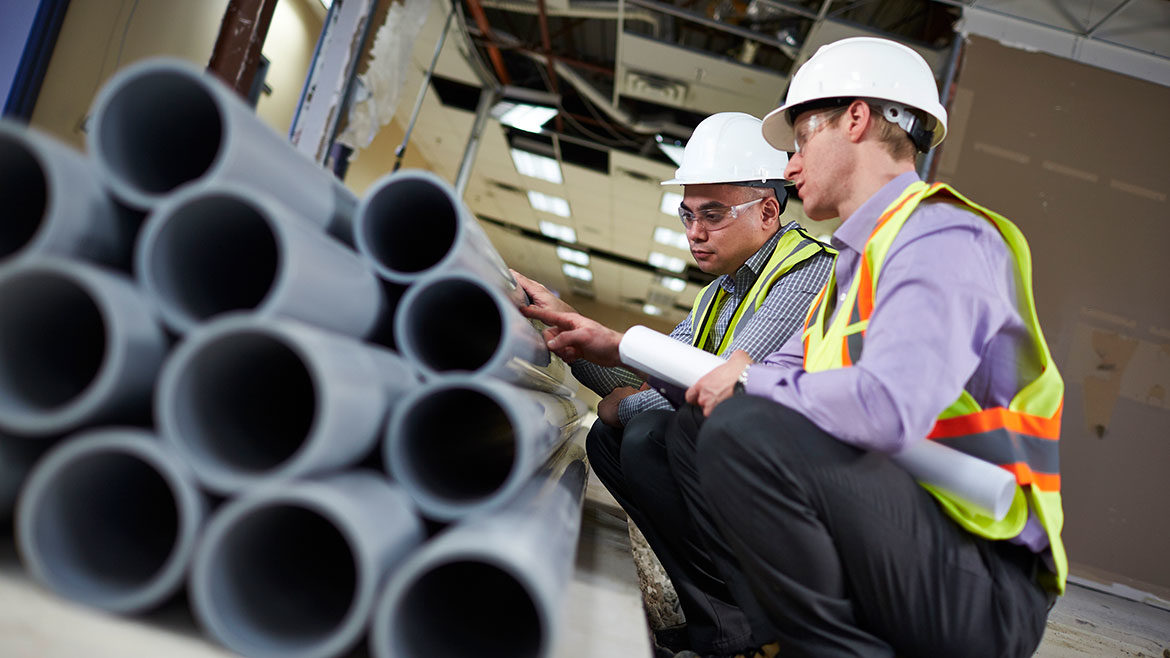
[860,67]
[728,147]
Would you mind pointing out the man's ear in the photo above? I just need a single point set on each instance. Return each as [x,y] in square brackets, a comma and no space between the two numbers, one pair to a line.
[770,212]
[857,119]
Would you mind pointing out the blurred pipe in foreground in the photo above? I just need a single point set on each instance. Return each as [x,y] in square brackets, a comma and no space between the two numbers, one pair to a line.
[163,123]
[293,569]
[110,518]
[462,446]
[17,456]
[55,204]
[493,585]
[212,249]
[246,399]
[79,345]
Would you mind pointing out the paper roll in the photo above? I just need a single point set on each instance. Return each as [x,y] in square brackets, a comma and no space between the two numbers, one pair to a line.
[976,482]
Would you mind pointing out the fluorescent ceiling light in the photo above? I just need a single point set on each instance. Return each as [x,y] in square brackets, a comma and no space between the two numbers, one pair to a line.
[573,255]
[650,309]
[537,166]
[672,263]
[673,283]
[547,203]
[327,3]
[663,235]
[558,231]
[670,203]
[673,148]
[529,118]
[577,272]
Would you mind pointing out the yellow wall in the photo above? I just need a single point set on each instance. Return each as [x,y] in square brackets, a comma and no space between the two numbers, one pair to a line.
[99,37]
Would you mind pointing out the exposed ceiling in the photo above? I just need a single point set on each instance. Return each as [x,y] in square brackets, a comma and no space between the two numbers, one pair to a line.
[629,75]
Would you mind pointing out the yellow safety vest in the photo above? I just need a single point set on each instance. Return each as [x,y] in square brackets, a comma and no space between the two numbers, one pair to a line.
[793,248]
[1021,438]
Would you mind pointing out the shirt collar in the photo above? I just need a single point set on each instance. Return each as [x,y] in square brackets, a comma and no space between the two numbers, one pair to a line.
[855,230]
[754,264]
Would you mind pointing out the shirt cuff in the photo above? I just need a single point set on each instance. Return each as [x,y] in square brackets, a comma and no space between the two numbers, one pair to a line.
[627,409]
[762,378]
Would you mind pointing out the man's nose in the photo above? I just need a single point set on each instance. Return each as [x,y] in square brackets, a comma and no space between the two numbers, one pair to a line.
[793,166]
[696,232]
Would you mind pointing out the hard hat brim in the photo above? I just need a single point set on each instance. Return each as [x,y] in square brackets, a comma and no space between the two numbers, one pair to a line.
[777,131]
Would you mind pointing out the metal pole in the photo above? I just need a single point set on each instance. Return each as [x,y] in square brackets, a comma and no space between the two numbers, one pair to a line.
[400,152]
[927,169]
[236,55]
[487,98]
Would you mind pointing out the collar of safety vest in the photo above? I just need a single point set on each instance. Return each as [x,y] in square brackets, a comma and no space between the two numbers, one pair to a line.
[854,231]
[754,264]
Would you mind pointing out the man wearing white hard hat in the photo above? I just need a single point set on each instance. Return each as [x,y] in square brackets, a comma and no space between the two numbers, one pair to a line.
[926,331]
[768,274]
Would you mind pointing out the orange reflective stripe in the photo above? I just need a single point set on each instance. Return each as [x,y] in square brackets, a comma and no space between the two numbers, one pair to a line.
[995,418]
[1025,475]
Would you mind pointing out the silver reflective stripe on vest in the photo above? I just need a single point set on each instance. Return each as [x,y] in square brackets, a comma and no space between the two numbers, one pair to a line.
[1003,446]
[702,310]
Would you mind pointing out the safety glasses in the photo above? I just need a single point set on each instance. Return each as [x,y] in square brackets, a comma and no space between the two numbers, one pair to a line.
[713,218]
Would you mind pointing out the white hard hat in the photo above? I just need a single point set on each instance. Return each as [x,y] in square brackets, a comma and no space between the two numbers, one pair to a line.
[868,68]
[728,147]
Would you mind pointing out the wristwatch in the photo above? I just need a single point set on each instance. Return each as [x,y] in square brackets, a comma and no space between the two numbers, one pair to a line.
[742,381]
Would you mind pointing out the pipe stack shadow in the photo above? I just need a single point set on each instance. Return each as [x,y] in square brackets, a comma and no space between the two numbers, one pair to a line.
[222,376]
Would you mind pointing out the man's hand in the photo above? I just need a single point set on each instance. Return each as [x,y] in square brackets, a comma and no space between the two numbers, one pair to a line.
[540,296]
[607,409]
[718,385]
[572,336]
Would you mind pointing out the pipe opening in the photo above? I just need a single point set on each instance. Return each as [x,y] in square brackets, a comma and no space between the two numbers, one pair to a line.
[245,402]
[160,130]
[52,342]
[284,576]
[410,225]
[23,188]
[214,254]
[443,344]
[106,524]
[461,446]
[443,614]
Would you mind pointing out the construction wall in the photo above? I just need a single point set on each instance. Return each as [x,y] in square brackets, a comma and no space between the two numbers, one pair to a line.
[99,37]
[1077,157]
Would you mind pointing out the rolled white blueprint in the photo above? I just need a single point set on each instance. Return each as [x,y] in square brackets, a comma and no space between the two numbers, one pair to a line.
[974,481]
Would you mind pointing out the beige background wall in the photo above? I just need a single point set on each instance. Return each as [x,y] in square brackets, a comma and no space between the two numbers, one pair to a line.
[1077,157]
[99,37]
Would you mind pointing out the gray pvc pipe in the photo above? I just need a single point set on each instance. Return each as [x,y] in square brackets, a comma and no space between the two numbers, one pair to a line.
[17,456]
[78,346]
[54,202]
[110,518]
[293,571]
[452,321]
[411,223]
[491,586]
[246,399]
[163,123]
[461,446]
[221,247]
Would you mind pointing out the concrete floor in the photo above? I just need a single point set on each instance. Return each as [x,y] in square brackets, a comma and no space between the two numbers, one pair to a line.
[603,617]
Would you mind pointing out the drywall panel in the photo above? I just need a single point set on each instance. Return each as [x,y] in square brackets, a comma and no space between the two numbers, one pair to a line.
[1077,157]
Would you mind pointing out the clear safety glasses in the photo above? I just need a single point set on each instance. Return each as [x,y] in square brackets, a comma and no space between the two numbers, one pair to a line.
[713,218]
[806,128]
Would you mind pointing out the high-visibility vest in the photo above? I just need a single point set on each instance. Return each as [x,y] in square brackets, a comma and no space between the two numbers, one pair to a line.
[1021,438]
[793,248]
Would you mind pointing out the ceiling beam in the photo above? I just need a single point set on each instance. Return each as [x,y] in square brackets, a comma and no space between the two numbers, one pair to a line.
[494,54]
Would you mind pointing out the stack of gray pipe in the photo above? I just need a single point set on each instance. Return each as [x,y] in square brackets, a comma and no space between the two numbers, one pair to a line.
[198,390]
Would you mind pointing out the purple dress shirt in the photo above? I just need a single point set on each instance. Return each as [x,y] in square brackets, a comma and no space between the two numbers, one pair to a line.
[945,319]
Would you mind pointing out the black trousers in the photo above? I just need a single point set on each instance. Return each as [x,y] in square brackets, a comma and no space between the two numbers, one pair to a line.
[633,465]
[845,553]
